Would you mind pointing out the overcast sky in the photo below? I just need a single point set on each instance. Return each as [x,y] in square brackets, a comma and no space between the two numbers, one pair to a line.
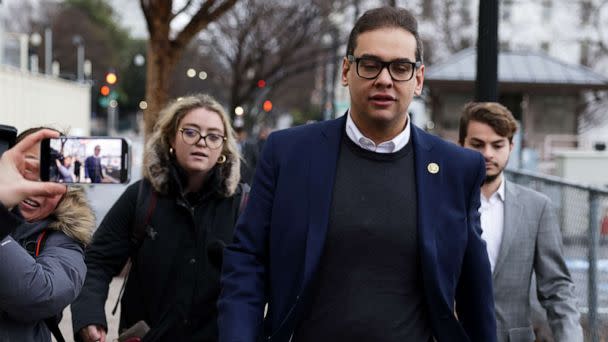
[128,13]
[131,17]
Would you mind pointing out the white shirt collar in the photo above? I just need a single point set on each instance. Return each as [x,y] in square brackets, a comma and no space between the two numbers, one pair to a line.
[393,145]
[498,195]
[501,189]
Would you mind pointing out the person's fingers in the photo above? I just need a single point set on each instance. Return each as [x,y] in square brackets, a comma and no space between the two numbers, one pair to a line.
[33,139]
[46,189]
[31,169]
[93,333]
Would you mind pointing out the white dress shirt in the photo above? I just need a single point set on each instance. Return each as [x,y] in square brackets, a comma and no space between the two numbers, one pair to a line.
[492,222]
[393,145]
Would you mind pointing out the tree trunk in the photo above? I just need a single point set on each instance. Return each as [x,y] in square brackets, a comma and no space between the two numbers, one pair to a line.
[162,58]
[163,53]
[159,69]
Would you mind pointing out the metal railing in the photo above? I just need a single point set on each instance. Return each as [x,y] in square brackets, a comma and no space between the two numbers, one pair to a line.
[581,210]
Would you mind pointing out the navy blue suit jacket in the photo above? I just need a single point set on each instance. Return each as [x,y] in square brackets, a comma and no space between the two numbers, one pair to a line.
[279,239]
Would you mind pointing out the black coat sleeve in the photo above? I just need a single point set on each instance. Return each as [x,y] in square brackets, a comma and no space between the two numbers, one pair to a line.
[9,222]
[105,257]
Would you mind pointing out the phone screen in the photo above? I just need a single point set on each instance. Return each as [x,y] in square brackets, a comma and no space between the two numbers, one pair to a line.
[7,137]
[84,160]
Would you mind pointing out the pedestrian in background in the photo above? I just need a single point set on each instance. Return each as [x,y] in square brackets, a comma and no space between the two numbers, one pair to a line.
[522,234]
[43,233]
[249,152]
[92,166]
[363,228]
[191,173]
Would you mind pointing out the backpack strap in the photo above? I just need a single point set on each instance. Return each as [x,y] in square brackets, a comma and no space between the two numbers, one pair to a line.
[146,203]
[53,326]
[144,208]
[40,242]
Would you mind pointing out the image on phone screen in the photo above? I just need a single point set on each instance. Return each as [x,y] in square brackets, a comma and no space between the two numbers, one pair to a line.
[97,160]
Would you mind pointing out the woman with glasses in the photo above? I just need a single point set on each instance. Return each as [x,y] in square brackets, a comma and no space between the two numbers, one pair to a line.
[173,225]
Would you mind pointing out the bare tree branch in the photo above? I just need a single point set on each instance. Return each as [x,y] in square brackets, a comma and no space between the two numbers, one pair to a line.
[182,10]
[201,19]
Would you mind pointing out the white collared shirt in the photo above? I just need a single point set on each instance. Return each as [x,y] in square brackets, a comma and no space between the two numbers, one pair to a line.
[492,222]
[393,145]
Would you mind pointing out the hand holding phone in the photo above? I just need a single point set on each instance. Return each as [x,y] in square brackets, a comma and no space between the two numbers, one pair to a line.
[81,160]
[15,187]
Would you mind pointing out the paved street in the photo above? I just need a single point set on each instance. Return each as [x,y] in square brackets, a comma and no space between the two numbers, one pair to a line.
[66,322]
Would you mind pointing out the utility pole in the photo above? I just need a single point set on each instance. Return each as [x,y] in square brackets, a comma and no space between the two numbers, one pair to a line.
[79,43]
[48,51]
[486,83]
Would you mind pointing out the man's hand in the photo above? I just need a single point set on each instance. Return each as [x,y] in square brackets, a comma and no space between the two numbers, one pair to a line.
[93,333]
[14,188]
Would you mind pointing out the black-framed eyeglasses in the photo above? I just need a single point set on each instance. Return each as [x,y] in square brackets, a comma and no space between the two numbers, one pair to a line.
[191,137]
[399,69]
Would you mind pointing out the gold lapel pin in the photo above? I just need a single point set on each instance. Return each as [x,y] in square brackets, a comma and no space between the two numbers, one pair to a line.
[433,168]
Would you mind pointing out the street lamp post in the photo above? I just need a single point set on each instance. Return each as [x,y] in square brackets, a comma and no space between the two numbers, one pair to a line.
[48,51]
[79,43]
[87,69]
[35,40]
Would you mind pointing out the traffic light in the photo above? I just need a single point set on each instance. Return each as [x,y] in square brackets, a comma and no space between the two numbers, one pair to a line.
[267,106]
[107,92]
[111,78]
[261,84]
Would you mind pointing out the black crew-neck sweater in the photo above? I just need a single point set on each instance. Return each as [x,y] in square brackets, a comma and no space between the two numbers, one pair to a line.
[368,285]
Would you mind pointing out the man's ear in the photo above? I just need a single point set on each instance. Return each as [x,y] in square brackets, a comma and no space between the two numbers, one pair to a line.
[345,68]
[419,75]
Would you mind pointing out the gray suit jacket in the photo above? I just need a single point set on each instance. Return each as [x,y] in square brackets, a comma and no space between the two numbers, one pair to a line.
[532,241]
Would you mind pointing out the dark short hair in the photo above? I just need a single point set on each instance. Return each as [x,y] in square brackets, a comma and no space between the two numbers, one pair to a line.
[385,17]
[31,131]
[492,114]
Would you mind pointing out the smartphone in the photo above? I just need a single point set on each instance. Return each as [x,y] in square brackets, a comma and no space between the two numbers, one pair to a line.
[85,160]
[8,134]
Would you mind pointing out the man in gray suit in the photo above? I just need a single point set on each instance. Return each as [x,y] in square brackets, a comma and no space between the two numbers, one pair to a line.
[521,233]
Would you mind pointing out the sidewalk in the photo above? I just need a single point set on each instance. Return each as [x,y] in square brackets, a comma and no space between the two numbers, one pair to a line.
[66,321]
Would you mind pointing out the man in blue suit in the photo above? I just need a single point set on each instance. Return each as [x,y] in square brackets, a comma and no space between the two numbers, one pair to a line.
[363,228]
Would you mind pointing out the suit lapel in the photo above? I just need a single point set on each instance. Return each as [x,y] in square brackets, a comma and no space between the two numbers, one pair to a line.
[428,189]
[511,224]
[323,163]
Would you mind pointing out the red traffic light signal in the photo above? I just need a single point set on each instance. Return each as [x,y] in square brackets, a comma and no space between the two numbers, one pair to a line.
[261,84]
[105,90]
[267,106]
[111,78]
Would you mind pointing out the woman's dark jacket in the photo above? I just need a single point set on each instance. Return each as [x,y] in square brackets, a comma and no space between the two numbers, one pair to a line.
[173,284]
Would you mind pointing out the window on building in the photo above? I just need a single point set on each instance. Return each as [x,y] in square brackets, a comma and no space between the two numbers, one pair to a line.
[427,48]
[586,11]
[465,12]
[545,46]
[585,53]
[507,8]
[547,10]
[427,9]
